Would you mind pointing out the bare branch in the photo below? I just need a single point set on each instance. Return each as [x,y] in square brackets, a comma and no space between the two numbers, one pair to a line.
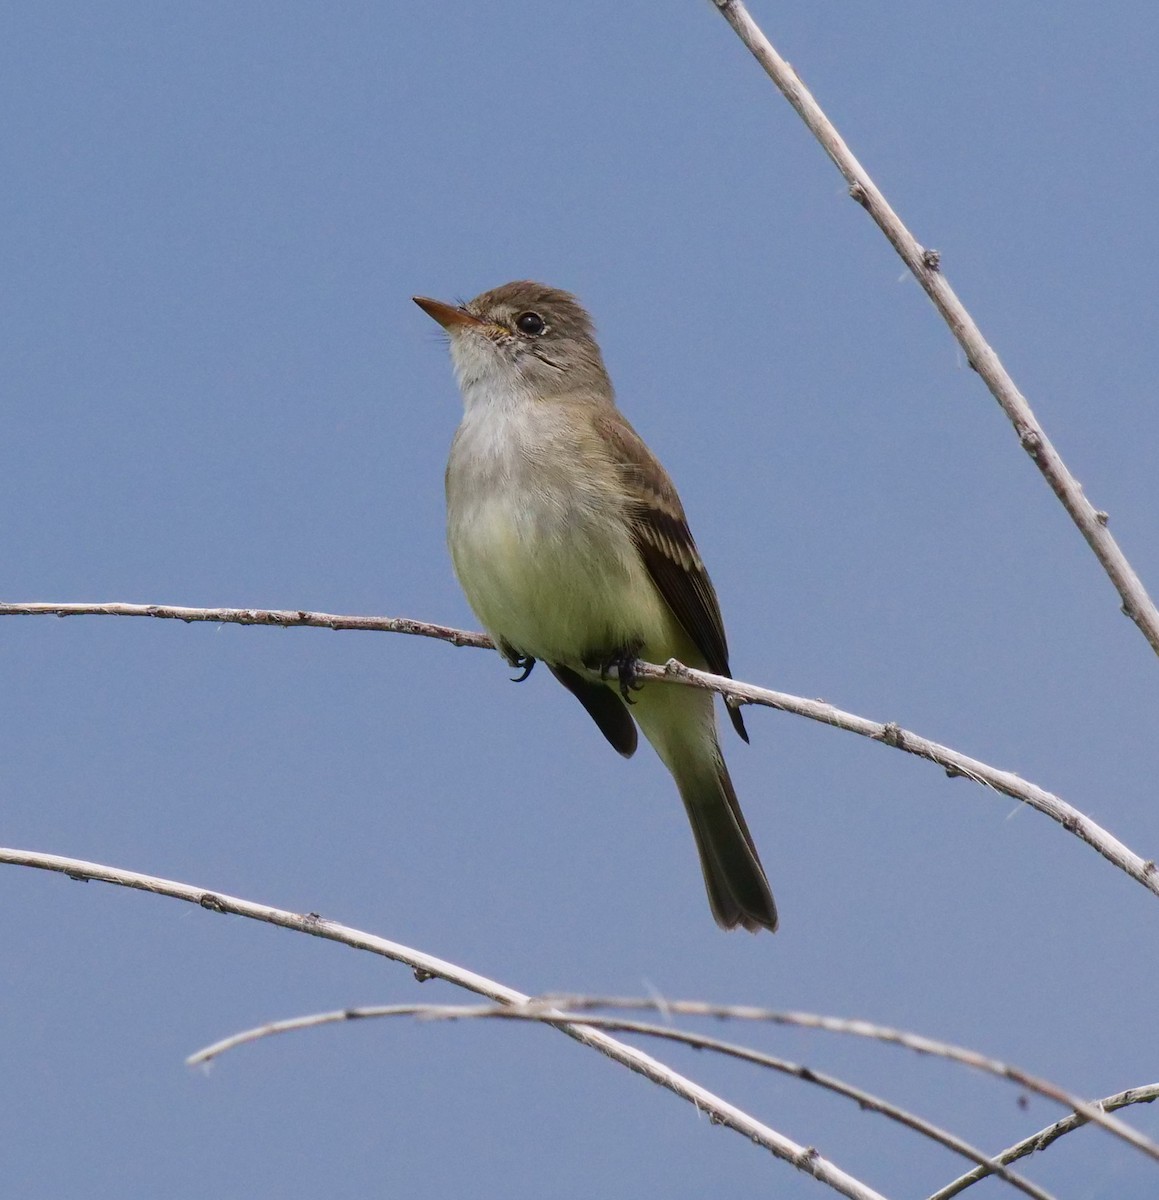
[734,692]
[286,618]
[890,734]
[426,966]
[865,1100]
[1044,1137]
[926,267]
[866,1029]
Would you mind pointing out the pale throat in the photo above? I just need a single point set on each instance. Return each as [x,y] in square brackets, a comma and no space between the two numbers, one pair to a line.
[505,424]
[486,376]
[540,548]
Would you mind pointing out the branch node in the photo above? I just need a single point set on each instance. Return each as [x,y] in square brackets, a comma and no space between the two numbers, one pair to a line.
[422,976]
[807,1159]
[932,260]
[892,735]
[1102,517]
[859,194]
[213,903]
[1031,440]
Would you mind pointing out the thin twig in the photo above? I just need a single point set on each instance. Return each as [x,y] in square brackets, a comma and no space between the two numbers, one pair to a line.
[734,691]
[285,618]
[926,267]
[1044,1137]
[857,1028]
[955,764]
[425,966]
[866,1100]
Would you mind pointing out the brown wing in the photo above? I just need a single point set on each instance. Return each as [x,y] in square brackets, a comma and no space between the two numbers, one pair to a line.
[668,549]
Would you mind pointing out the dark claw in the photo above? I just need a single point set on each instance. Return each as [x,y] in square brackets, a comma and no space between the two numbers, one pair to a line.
[524,662]
[629,682]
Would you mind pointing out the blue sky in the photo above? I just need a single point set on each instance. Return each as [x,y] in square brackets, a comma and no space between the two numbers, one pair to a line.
[217,392]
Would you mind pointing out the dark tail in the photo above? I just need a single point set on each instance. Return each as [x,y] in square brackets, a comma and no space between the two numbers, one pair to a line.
[681,725]
[738,891]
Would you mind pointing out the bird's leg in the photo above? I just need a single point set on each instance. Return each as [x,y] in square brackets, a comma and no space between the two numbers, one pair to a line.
[624,661]
[521,662]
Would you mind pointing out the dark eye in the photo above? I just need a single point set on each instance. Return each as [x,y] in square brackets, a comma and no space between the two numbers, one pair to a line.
[530,322]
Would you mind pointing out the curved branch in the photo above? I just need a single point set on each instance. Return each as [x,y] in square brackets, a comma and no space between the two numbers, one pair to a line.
[1142,870]
[1044,1137]
[866,1100]
[1092,1112]
[426,966]
[925,265]
[735,692]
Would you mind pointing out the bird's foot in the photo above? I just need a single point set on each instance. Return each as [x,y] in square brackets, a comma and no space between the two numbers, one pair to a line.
[624,663]
[517,659]
[523,663]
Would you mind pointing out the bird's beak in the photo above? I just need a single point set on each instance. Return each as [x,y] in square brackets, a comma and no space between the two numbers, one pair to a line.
[447,315]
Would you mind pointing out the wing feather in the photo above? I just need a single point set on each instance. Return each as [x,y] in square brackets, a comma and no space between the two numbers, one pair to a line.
[666,545]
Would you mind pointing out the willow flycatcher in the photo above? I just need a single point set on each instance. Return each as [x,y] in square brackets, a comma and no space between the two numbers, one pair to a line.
[572,547]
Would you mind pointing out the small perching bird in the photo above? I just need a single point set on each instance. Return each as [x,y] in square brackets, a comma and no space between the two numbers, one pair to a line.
[571,544]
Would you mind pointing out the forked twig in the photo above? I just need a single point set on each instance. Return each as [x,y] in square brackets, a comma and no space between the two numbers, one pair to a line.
[426,966]
[1044,1137]
[1090,1111]
[866,1100]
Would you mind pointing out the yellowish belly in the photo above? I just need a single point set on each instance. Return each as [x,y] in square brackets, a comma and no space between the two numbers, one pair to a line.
[564,590]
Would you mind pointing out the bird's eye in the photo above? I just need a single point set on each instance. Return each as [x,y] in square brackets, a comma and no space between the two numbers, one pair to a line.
[531,323]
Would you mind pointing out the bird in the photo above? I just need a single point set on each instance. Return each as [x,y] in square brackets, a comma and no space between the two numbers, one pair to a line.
[572,547]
